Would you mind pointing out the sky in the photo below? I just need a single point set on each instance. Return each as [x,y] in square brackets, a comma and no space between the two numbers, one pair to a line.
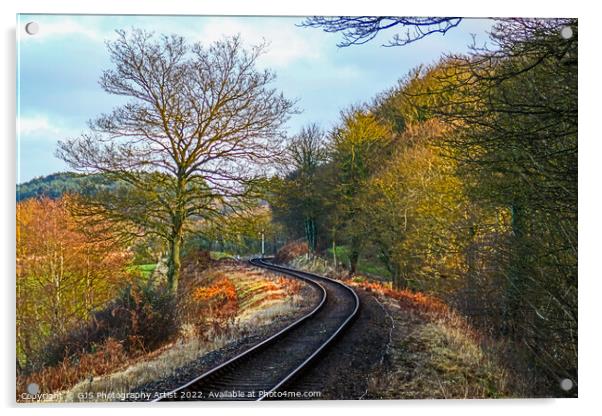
[59,68]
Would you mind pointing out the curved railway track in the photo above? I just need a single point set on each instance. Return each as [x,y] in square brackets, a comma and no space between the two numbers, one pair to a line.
[264,370]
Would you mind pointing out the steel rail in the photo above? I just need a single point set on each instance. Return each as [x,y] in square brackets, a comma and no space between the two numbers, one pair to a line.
[310,278]
[326,343]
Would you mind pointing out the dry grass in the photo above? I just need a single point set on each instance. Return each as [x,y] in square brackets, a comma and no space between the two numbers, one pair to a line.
[314,264]
[436,360]
[433,351]
[145,370]
[265,297]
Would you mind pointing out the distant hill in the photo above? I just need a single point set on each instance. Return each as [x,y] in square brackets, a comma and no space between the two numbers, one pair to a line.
[55,185]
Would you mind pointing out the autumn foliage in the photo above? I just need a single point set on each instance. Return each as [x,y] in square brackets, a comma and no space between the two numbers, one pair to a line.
[407,299]
[209,302]
[221,295]
[110,355]
[65,270]
[291,250]
[461,181]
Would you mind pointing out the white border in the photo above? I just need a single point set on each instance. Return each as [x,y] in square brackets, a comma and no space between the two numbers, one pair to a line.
[589,207]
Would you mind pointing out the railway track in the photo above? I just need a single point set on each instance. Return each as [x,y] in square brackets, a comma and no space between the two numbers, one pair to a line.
[263,371]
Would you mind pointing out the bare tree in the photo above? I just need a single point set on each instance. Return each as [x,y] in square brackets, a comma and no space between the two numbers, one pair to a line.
[358,30]
[304,155]
[200,123]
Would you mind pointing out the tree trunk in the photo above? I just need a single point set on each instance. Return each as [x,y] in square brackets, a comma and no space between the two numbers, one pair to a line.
[400,282]
[518,258]
[354,255]
[353,258]
[398,279]
[310,233]
[334,253]
[472,290]
[173,259]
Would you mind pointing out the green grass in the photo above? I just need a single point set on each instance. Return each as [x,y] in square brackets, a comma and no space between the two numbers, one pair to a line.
[218,255]
[145,269]
[364,265]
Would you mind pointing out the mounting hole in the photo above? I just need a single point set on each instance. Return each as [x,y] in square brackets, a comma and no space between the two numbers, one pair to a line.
[566,384]
[33,388]
[32,28]
[566,32]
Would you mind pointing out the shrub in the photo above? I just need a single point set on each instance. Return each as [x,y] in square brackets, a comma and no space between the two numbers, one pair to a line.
[291,251]
[197,260]
[152,315]
[71,370]
[141,318]
[207,301]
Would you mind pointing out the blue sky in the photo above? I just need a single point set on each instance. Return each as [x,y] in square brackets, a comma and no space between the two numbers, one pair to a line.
[59,68]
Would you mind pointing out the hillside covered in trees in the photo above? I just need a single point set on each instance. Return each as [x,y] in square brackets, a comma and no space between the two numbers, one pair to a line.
[58,184]
[461,181]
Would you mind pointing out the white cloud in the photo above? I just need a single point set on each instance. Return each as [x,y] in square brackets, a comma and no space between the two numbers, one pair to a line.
[286,43]
[39,126]
[33,125]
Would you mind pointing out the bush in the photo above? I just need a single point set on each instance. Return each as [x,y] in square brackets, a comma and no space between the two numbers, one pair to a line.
[141,319]
[206,299]
[70,371]
[196,260]
[291,251]
[152,313]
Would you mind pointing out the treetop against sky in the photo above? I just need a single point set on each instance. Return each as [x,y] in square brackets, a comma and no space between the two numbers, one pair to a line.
[59,69]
